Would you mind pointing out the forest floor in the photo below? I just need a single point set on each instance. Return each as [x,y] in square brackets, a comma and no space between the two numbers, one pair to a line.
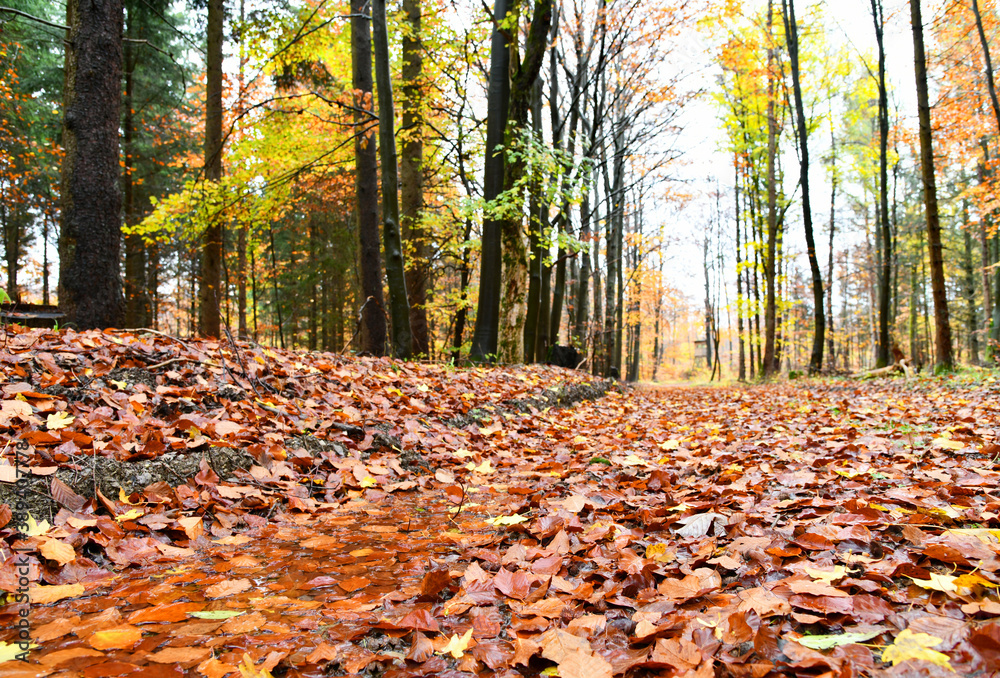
[199,508]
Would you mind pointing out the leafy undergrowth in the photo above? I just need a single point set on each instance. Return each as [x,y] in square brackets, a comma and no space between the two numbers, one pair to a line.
[409,520]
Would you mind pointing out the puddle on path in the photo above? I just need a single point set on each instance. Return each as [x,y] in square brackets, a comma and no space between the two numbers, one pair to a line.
[275,595]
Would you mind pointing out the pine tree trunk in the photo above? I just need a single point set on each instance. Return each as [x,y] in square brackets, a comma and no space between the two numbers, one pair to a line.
[373,328]
[942,324]
[135,253]
[90,285]
[210,291]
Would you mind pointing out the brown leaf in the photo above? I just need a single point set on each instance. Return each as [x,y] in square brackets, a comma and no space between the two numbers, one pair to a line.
[435,581]
[421,649]
[180,655]
[419,620]
[64,494]
[227,587]
[513,584]
[322,653]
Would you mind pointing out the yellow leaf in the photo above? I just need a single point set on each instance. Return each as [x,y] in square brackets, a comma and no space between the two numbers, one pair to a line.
[485,468]
[369,482]
[123,498]
[828,576]
[457,646]
[36,529]
[58,420]
[120,385]
[131,514]
[658,552]
[910,645]
[463,454]
[670,445]
[9,653]
[938,582]
[947,444]
[248,670]
[507,520]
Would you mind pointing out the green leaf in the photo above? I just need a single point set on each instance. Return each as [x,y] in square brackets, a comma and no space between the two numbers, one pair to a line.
[215,614]
[835,640]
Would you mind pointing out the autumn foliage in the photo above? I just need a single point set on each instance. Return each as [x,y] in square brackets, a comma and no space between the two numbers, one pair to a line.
[423,520]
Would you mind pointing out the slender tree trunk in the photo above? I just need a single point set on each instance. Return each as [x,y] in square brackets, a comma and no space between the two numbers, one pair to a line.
[241,227]
[882,207]
[411,176]
[942,324]
[314,275]
[769,365]
[395,267]
[969,281]
[582,311]
[373,329]
[742,368]
[537,255]
[90,285]
[210,291]
[487,330]
[819,336]
[834,176]
[515,254]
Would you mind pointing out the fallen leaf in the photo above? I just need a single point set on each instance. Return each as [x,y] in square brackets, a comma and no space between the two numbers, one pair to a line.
[457,645]
[227,587]
[910,645]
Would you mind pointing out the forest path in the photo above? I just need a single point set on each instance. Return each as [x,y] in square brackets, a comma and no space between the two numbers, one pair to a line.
[786,528]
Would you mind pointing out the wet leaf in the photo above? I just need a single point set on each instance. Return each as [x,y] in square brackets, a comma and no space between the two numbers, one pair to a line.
[457,645]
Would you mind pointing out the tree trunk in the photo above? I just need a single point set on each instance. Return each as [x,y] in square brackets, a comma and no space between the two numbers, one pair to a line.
[411,177]
[742,365]
[536,264]
[833,228]
[769,362]
[819,335]
[135,253]
[486,333]
[373,329]
[942,324]
[395,267]
[969,281]
[882,207]
[515,254]
[90,285]
[210,292]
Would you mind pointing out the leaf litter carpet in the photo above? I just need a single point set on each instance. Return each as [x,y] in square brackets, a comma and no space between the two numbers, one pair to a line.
[414,520]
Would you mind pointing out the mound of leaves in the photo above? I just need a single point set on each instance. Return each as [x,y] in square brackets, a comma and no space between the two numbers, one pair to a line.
[416,520]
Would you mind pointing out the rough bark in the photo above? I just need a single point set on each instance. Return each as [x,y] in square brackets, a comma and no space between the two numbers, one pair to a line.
[486,333]
[90,285]
[819,312]
[969,285]
[411,177]
[536,264]
[515,253]
[942,324]
[210,291]
[395,267]
[135,252]
[373,326]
